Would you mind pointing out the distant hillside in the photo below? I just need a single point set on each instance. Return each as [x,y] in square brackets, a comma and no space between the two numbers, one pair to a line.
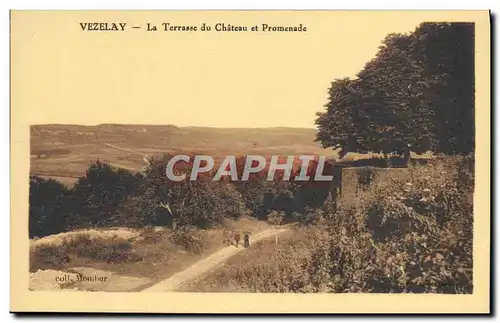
[66,150]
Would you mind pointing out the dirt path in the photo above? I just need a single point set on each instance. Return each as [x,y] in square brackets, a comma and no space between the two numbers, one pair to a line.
[201,267]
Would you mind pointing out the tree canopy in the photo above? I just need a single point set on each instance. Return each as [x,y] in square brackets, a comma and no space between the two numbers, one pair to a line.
[416,94]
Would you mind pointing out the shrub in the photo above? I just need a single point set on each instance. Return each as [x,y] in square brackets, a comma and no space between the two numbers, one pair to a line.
[150,235]
[406,236]
[189,239]
[47,207]
[52,256]
[114,249]
[47,257]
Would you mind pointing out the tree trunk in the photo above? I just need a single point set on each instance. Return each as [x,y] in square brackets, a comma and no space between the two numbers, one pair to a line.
[386,160]
[406,155]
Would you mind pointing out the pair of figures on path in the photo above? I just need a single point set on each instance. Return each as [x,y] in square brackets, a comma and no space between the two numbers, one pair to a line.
[235,237]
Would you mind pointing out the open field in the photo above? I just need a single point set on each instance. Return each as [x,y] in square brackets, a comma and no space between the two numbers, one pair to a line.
[67,150]
[63,152]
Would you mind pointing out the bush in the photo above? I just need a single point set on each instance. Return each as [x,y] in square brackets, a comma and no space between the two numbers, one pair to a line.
[189,239]
[96,197]
[52,256]
[150,235]
[47,257]
[406,236]
[141,210]
[47,207]
[114,249]
[205,204]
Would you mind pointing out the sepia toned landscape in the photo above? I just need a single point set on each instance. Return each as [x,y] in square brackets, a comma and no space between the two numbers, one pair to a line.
[65,151]
[398,138]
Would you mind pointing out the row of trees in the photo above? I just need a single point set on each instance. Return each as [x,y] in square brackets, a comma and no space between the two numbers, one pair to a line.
[106,196]
[417,94]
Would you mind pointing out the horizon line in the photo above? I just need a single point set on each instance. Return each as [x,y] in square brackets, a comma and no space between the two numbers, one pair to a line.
[168,125]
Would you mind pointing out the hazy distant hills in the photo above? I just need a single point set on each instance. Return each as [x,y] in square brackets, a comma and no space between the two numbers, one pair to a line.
[66,150]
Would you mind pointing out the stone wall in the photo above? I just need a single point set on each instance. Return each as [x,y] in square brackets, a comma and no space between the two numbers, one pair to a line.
[353,180]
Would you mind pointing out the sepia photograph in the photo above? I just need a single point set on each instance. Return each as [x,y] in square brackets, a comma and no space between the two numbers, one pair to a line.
[328,153]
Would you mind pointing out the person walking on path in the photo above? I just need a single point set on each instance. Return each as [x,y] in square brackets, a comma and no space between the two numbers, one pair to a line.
[237,239]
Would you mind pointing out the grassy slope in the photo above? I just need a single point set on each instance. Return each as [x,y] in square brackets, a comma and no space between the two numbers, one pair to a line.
[247,272]
[155,255]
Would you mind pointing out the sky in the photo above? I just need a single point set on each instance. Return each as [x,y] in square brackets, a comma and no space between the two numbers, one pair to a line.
[61,74]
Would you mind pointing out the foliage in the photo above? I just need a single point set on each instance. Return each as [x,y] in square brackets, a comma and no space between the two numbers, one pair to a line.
[312,193]
[406,236]
[276,217]
[277,268]
[400,237]
[446,51]
[188,239]
[96,196]
[113,249]
[47,207]
[339,125]
[202,203]
[416,94]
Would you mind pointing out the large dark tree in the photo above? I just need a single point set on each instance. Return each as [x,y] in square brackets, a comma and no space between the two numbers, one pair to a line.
[417,94]
[446,52]
[391,91]
[339,125]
